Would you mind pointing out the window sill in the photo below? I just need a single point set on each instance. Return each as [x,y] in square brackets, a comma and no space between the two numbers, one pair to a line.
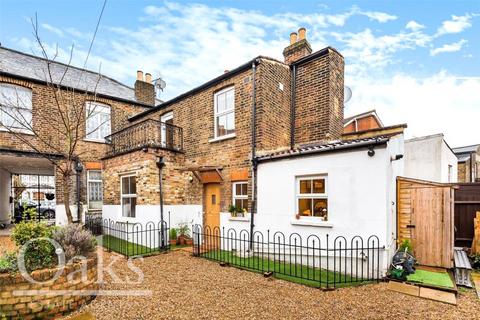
[242,219]
[225,137]
[311,223]
[95,140]
[21,131]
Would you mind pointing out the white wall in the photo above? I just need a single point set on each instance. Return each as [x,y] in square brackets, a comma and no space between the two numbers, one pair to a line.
[5,190]
[61,215]
[428,158]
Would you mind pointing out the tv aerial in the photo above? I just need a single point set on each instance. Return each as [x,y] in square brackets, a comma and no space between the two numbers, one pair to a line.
[160,84]
[347,94]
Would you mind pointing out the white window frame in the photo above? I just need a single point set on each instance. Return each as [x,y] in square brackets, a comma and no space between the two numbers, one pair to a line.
[234,192]
[128,195]
[164,118]
[99,108]
[225,112]
[312,196]
[27,108]
[88,187]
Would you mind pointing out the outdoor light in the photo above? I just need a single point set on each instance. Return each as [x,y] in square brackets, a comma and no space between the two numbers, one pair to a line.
[78,166]
[371,152]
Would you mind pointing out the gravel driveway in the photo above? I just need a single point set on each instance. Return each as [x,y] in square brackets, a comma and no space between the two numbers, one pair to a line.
[185,287]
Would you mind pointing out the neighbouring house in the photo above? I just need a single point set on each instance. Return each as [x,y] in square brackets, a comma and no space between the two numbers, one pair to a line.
[23,78]
[362,122]
[468,163]
[430,158]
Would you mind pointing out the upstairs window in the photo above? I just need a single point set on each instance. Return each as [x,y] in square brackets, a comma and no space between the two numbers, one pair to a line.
[128,191]
[15,108]
[312,197]
[97,121]
[224,105]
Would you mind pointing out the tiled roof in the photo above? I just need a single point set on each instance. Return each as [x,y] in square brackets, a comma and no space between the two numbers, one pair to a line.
[328,147]
[32,67]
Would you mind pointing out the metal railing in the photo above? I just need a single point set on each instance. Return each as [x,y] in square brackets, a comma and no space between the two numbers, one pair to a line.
[130,239]
[148,133]
[306,260]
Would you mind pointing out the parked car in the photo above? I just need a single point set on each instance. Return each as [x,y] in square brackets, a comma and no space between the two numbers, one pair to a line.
[46,212]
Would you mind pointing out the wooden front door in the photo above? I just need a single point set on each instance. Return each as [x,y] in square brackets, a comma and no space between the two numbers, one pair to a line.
[212,205]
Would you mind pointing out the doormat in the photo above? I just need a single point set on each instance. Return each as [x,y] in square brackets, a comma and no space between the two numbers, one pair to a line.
[433,278]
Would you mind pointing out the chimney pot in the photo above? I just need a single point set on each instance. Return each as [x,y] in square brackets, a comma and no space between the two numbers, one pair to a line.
[293,37]
[139,75]
[302,33]
[148,78]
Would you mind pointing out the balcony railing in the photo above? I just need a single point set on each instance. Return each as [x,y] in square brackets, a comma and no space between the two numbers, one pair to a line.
[146,134]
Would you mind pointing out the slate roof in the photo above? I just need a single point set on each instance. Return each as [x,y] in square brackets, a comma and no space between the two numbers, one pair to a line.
[466,149]
[328,147]
[32,67]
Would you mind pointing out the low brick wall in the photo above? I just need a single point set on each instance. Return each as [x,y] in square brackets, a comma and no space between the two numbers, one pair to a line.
[16,303]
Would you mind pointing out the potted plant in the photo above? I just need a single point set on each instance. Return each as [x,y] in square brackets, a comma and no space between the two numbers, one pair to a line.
[236,211]
[183,234]
[173,236]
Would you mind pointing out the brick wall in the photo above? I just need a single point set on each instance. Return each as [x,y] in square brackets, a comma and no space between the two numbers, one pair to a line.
[319,99]
[47,123]
[53,305]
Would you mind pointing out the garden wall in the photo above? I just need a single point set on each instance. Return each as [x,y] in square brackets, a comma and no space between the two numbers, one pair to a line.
[48,299]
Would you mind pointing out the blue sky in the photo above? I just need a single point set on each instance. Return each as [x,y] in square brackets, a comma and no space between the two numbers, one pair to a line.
[414,61]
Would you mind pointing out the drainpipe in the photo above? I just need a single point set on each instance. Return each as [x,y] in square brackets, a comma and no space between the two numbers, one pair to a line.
[254,159]
[471,166]
[160,164]
[78,169]
[292,107]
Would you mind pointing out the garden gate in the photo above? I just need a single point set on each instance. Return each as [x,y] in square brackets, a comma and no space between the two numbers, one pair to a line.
[467,203]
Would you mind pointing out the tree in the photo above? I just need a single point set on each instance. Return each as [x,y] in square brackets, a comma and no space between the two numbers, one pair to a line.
[66,118]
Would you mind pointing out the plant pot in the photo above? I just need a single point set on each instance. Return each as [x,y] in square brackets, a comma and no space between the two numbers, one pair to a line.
[173,242]
[189,241]
[181,240]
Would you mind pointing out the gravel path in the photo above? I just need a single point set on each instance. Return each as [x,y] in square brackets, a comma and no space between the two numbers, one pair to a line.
[185,287]
[6,244]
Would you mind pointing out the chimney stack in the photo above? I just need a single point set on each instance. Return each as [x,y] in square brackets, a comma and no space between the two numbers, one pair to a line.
[299,47]
[144,89]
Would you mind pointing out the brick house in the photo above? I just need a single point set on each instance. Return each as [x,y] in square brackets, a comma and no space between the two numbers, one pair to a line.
[23,76]
[468,163]
[210,137]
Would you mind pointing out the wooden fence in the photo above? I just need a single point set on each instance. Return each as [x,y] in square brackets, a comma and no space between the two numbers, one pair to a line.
[425,216]
[467,203]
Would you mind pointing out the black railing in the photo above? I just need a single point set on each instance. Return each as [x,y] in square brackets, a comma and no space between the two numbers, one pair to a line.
[148,133]
[306,260]
[130,239]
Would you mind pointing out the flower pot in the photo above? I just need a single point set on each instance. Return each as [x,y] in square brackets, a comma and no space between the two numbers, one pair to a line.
[173,242]
[181,240]
[189,241]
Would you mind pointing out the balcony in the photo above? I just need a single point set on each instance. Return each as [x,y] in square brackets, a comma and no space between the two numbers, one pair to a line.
[146,134]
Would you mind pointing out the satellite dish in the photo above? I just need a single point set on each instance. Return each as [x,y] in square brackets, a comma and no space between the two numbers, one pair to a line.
[160,84]
[347,94]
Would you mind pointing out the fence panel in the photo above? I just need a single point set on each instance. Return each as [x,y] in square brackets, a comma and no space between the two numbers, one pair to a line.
[467,203]
[309,260]
[130,239]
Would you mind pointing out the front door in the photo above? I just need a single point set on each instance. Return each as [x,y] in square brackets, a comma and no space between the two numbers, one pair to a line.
[212,205]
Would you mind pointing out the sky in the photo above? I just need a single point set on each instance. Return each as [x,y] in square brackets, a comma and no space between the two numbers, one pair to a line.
[415,62]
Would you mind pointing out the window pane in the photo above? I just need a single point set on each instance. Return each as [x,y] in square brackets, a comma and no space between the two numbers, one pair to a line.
[238,189]
[244,189]
[319,186]
[125,185]
[221,103]
[230,99]
[230,127]
[126,207]
[305,186]
[133,185]
[305,207]
[94,175]
[133,204]
[320,208]
[221,125]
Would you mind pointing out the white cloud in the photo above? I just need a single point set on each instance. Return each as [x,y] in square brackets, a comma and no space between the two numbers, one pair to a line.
[439,103]
[381,17]
[52,29]
[452,47]
[414,26]
[456,25]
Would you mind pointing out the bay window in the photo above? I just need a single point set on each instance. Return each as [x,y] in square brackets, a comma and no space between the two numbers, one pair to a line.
[312,197]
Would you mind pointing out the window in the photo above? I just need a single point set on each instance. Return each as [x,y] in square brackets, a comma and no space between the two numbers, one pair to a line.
[129,195]
[240,194]
[224,112]
[98,121]
[449,173]
[15,107]
[312,197]
[95,195]
[167,130]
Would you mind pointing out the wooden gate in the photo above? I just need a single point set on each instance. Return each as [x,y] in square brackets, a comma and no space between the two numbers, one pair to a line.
[467,203]
[425,214]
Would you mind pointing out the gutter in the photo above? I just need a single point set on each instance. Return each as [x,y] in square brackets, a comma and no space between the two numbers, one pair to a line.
[328,149]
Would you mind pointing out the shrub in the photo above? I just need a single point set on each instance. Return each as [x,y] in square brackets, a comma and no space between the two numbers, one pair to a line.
[406,244]
[173,234]
[75,241]
[184,230]
[8,263]
[38,254]
[476,261]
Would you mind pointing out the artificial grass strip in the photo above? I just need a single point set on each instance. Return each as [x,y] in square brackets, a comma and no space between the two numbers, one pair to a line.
[439,279]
